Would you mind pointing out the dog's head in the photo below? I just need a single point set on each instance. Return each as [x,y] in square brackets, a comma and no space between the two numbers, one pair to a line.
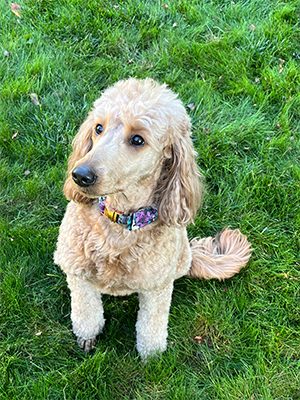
[137,131]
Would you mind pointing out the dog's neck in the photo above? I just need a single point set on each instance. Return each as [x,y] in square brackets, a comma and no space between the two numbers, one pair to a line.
[131,200]
[135,196]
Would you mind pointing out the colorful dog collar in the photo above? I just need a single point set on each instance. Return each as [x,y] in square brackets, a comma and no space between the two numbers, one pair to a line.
[132,221]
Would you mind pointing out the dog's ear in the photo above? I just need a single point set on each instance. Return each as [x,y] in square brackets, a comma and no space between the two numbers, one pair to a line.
[179,189]
[81,145]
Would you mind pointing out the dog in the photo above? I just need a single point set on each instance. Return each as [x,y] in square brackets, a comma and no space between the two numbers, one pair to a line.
[134,186]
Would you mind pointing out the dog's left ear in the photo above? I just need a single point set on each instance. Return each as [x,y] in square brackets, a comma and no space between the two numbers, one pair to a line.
[179,190]
[81,145]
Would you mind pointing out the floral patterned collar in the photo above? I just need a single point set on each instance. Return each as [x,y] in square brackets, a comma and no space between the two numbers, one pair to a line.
[132,221]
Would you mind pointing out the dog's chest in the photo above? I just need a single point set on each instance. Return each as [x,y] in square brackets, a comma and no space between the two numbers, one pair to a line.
[122,265]
[118,261]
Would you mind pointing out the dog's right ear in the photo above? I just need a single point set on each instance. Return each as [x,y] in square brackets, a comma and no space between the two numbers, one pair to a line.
[179,189]
[81,145]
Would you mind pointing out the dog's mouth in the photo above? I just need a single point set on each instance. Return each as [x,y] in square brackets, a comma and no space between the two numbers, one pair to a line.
[88,192]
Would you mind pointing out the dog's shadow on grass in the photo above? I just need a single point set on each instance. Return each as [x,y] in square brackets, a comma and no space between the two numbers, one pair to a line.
[120,314]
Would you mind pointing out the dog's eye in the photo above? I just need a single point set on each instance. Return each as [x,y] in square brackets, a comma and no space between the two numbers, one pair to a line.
[137,140]
[99,129]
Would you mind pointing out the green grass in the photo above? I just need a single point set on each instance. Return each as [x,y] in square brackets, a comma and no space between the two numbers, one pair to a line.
[225,57]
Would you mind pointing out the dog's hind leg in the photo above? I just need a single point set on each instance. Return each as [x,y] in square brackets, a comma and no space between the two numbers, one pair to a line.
[86,311]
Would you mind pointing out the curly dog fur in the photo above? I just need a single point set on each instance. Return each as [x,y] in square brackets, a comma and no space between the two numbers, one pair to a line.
[99,256]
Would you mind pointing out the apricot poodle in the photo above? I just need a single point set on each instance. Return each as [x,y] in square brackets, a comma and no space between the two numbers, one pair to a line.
[134,186]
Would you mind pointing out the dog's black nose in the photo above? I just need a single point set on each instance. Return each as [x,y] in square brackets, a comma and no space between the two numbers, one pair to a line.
[83,176]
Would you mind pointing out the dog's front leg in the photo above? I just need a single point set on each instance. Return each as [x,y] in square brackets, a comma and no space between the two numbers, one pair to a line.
[152,322]
[86,311]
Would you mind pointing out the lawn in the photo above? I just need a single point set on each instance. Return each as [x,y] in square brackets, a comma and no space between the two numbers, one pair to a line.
[235,65]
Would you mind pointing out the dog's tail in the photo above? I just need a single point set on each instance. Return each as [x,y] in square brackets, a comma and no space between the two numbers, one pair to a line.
[219,257]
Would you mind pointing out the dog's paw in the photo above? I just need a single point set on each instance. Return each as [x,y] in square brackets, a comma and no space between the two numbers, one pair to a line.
[86,344]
